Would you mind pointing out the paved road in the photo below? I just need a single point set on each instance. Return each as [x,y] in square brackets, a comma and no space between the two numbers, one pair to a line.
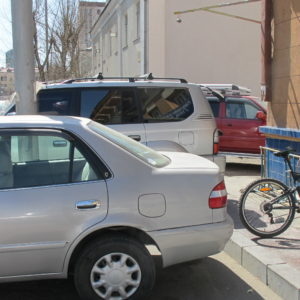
[217,277]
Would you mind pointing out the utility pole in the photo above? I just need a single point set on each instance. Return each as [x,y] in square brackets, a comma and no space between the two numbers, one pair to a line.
[22,27]
[47,37]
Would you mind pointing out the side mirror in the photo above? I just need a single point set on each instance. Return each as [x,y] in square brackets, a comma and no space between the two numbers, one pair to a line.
[261,116]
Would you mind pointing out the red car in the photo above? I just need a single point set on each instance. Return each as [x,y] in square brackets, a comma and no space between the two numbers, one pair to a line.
[238,117]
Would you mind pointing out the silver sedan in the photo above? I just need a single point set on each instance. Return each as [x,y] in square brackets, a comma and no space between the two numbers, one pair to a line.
[78,198]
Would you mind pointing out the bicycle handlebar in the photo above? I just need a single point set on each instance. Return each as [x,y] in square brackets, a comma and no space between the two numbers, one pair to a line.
[285,153]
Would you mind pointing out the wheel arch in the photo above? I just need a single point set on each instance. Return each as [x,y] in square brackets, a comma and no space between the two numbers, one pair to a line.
[130,232]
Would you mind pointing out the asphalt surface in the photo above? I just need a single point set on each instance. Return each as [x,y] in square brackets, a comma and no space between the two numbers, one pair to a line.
[214,278]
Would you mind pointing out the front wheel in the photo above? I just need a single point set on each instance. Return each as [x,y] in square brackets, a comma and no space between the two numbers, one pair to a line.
[114,268]
[266,209]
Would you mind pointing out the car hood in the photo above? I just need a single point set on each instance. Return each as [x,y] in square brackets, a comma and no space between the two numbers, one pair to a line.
[181,160]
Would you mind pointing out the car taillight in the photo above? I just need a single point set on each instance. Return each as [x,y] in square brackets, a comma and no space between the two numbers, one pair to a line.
[218,196]
[216,142]
[216,148]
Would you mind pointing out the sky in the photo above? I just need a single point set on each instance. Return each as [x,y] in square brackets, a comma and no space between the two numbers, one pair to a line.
[5,28]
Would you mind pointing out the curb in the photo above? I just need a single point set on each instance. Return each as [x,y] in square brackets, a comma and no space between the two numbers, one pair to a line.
[280,277]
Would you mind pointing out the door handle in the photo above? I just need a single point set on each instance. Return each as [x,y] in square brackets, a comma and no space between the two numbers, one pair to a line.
[88,204]
[135,137]
[230,125]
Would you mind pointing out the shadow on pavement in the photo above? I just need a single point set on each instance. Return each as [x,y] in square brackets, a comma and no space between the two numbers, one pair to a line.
[205,279]
[279,243]
[233,211]
[208,279]
[235,169]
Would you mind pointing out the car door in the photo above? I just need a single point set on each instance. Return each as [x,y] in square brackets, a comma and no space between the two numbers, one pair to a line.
[241,127]
[52,191]
[115,107]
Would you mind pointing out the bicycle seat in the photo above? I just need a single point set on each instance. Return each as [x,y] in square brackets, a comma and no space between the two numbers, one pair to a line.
[285,153]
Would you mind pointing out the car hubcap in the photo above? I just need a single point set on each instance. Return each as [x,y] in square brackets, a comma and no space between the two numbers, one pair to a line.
[115,276]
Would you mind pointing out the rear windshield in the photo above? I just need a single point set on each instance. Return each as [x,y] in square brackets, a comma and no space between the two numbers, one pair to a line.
[142,152]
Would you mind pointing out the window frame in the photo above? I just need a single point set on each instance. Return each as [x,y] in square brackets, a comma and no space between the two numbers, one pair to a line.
[138,20]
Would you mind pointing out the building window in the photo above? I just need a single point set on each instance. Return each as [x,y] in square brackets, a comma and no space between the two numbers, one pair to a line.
[138,26]
[110,43]
[125,28]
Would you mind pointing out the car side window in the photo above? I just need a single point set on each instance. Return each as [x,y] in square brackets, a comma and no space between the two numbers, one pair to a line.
[215,106]
[241,109]
[28,160]
[235,110]
[55,102]
[115,106]
[251,111]
[165,104]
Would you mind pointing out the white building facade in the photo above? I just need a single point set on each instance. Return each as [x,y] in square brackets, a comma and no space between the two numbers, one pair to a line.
[134,37]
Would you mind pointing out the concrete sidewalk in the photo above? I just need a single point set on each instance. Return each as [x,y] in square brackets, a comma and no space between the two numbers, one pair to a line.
[276,261]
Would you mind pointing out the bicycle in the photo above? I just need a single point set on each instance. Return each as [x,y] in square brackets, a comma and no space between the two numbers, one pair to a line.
[267,206]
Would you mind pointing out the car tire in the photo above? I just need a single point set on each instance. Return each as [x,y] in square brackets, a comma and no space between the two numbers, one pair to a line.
[114,267]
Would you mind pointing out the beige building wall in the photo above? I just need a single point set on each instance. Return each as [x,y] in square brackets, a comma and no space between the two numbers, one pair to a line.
[284,109]
[157,35]
[205,47]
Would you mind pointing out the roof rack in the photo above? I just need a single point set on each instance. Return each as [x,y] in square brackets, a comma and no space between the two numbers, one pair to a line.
[145,77]
[225,89]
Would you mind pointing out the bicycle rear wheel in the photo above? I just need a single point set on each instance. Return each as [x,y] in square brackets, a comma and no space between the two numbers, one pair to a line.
[265,209]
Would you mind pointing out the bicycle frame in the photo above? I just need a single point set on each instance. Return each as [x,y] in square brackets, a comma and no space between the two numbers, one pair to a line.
[290,192]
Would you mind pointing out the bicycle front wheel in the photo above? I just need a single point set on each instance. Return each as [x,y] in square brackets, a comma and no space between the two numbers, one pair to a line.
[266,209]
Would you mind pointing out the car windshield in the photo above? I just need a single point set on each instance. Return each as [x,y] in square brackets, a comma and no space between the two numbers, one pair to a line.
[146,154]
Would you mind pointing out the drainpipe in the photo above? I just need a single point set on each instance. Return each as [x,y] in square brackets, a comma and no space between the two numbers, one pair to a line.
[266,47]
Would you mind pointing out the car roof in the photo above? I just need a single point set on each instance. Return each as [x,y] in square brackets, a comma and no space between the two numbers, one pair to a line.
[37,121]
[238,98]
[94,84]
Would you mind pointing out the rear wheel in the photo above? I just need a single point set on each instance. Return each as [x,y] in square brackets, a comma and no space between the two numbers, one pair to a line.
[265,209]
[114,268]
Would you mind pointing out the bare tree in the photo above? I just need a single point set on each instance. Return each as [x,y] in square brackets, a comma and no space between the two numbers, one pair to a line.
[57,57]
